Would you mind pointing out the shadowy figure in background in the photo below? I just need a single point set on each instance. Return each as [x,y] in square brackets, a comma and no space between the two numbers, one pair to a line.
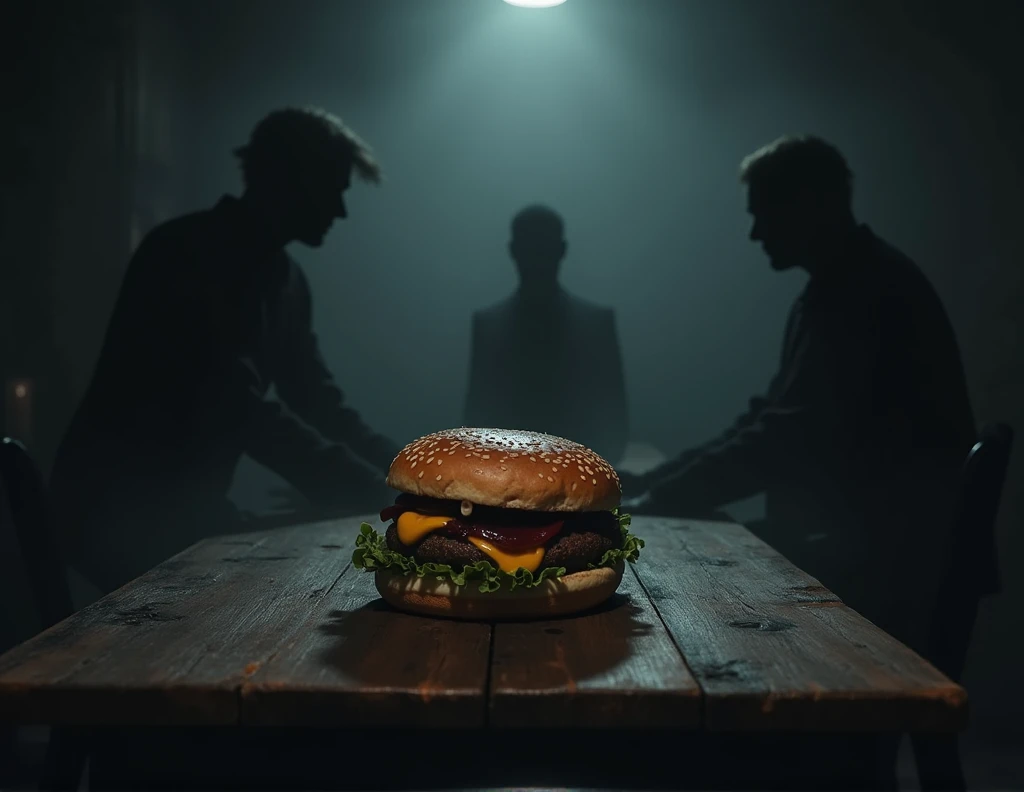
[860,437]
[544,359]
[212,312]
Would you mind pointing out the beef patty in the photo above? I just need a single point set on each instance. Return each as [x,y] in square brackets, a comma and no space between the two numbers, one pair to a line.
[581,542]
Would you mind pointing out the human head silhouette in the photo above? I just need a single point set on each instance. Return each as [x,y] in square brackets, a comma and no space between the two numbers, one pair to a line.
[799,193]
[297,166]
[538,246]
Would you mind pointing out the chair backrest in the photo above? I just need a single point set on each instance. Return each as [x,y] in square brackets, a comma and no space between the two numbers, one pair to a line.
[973,569]
[974,518]
[34,530]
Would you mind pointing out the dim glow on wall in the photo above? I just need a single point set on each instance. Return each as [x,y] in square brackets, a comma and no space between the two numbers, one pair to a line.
[535,3]
[18,417]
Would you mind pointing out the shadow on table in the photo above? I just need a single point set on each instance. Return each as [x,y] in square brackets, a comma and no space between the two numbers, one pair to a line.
[378,645]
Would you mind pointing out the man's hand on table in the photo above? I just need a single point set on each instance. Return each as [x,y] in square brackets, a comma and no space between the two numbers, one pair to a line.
[633,484]
[638,498]
[636,505]
[636,493]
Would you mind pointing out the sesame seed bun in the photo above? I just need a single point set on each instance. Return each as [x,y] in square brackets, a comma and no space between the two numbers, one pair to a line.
[510,469]
[568,594]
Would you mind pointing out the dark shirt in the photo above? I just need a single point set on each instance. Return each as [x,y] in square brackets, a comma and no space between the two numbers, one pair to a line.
[551,366]
[210,315]
[859,439]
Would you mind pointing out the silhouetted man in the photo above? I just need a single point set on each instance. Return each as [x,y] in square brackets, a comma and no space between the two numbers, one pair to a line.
[212,313]
[859,439]
[544,359]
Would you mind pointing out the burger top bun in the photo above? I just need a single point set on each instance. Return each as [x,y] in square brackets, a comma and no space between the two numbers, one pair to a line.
[509,469]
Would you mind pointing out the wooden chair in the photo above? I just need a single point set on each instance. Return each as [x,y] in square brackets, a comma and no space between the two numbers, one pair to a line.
[33,527]
[972,574]
[47,576]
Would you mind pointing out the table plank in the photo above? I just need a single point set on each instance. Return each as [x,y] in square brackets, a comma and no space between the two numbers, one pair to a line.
[614,668]
[355,662]
[174,646]
[773,649]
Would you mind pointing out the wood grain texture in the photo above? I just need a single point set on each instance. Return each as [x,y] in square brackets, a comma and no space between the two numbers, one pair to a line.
[773,649]
[616,667]
[355,662]
[276,628]
[174,646]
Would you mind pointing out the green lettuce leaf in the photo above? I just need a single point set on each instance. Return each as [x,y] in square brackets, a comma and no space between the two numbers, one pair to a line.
[372,553]
[631,545]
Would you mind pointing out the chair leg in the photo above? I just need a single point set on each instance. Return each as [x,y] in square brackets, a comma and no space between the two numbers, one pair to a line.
[65,761]
[8,756]
[937,757]
[887,750]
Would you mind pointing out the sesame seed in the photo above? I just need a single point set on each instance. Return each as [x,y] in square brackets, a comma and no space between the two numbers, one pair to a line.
[438,477]
[468,456]
[533,459]
[583,477]
[592,480]
[540,475]
[421,474]
[414,463]
[486,456]
[504,468]
[575,484]
[439,461]
[550,479]
[430,460]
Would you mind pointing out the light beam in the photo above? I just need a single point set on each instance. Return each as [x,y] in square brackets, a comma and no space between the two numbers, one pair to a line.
[535,3]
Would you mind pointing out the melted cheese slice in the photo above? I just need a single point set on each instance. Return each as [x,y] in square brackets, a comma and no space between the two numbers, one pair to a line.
[509,562]
[412,527]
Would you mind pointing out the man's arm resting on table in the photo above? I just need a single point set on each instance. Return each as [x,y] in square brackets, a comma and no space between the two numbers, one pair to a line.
[816,410]
[637,483]
[321,470]
[308,389]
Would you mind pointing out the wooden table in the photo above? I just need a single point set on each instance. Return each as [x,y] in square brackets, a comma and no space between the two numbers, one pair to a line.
[715,644]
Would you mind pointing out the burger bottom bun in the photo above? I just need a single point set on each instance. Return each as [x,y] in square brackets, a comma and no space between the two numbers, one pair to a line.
[428,596]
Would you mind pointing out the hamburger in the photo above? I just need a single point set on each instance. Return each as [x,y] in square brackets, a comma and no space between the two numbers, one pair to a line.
[493,523]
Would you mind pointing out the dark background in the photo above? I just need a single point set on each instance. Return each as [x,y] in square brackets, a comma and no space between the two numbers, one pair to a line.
[629,116]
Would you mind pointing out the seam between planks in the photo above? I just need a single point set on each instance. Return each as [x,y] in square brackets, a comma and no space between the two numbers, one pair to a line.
[702,702]
[245,684]
[490,675]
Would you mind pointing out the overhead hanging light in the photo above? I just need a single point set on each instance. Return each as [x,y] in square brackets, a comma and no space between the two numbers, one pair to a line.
[535,3]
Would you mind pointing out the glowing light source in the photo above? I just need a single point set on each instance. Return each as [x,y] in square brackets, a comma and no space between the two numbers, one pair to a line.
[535,3]
[20,390]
